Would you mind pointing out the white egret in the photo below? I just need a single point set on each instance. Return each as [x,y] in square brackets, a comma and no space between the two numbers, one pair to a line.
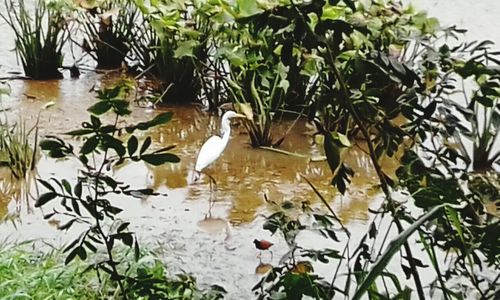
[215,145]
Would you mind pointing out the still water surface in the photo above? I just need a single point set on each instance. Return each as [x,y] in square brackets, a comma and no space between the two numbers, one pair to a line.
[209,243]
[214,245]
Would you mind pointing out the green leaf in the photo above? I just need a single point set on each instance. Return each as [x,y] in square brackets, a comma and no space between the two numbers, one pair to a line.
[82,253]
[185,48]
[100,107]
[110,142]
[66,185]
[125,237]
[343,139]
[123,226]
[80,132]
[90,246]
[159,159]
[393,247]
[71,245]
[78,189]
[71,255]
[96,122]
[137,252]
[114,210]
[46,185]
[332,152]
[76,207]
[120,107]
[48,145]
[332,12]
[158,120]
[145,145]
[132,145]
[247,8]
[164,149]
[485,101]
[89,145]
[67,225]
[44,198]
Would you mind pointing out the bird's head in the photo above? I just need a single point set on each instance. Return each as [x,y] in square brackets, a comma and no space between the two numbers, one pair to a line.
[256,242]
[232,114]
[225,124]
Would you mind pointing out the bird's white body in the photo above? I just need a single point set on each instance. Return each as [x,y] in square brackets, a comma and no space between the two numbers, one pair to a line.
[210,151]
[215,145]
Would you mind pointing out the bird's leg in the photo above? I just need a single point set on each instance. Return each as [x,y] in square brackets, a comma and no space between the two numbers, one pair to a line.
[212,180]
[210,202]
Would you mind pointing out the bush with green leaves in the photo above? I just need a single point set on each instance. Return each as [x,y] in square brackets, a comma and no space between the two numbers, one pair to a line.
[386,81]
[475,118]
[268,66]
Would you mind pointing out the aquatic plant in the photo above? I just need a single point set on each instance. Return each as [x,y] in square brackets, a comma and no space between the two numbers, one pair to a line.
[169,47]
[109,30]
[40,35]
[85,202]
[18,150]
[268,68]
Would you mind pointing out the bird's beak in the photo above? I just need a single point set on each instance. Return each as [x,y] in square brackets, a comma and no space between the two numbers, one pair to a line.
[241,116]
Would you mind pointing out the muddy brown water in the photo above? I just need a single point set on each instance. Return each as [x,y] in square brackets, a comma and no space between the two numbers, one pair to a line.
[214,245]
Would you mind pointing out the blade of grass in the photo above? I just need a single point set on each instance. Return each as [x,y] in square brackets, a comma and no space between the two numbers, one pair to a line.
[393,247]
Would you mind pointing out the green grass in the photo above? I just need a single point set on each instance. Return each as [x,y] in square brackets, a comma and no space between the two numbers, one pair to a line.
[31,274]
[28,271]
[16,150]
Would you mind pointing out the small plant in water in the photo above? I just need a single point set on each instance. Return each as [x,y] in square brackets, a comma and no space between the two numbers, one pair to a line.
[41,33]
[170,45]
[18,149]
[109,28]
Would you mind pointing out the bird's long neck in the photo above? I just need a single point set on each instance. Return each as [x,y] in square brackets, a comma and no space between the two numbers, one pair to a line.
[226,133]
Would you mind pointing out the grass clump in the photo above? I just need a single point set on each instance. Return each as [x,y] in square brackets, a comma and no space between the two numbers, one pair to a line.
[40,36]
[16,151]
[31,274]
[17,140]
[109,28]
